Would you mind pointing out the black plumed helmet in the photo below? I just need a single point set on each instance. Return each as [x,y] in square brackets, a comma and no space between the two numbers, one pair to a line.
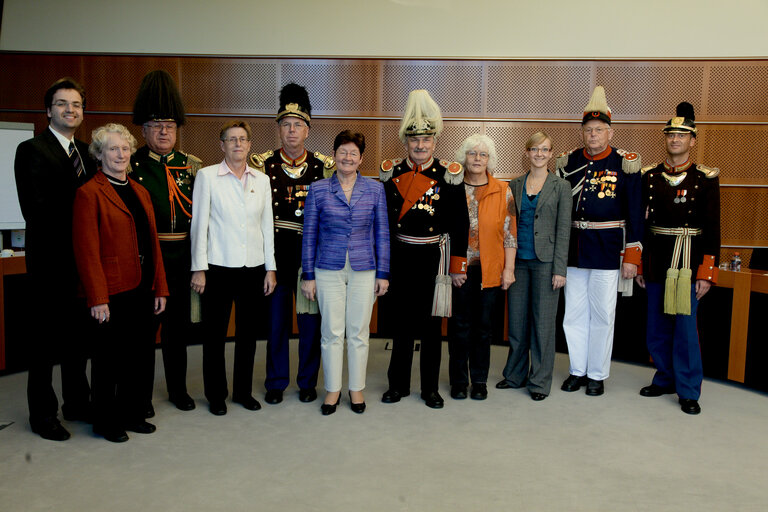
[158,99]
[294,101]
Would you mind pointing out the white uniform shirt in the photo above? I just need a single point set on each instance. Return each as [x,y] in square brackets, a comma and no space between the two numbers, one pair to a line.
[232,222]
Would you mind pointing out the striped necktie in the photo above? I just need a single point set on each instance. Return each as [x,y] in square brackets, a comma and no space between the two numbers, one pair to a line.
[74,157]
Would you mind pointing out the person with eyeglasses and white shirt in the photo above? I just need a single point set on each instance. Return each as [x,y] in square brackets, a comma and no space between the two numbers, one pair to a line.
[605,244]
[233,259]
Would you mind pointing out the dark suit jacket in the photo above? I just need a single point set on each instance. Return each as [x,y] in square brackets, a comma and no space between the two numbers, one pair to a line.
[46,184]
[551,221]
[106,244]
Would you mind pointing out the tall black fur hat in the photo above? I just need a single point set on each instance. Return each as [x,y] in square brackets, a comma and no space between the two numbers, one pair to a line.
[684,120]
[158,99]
[294,101]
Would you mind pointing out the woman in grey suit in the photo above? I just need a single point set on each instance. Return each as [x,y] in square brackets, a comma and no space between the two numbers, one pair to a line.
[543,228]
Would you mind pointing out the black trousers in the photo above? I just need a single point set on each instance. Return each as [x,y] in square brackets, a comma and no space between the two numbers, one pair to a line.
[414,268]
[123,348]
[244,286]
[63,335]
[470,330]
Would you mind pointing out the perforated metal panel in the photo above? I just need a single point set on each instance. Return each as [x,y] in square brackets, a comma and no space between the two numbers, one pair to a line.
[456,87]
[26,79]
[741,152]
[538,90]
[738,90]
[334,87]
[743,215]
[201,137]
[324,131]
[238,86]
[111,82]
[642,91]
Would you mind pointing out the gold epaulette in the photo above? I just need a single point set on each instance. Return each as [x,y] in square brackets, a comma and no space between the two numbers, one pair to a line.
[709,172]
[329,164]
[257,160]
[195,163]
[385,173]
[562,159]
[630,162]
[454,172]
[647,168]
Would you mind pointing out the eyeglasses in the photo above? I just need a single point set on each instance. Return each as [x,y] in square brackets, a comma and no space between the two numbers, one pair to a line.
[540,150]
[159,127]
[344,153]
[292,125]
[77,105]
[596,131]
[235,140]
[481,154]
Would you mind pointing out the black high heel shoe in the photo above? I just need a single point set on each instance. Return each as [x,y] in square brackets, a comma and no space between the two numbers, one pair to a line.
[356,408]
[328,409]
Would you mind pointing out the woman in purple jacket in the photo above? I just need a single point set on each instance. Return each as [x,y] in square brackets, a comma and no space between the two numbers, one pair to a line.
[345,264]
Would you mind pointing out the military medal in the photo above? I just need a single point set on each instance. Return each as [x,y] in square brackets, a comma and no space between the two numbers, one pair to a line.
[299,212]
[289,198]
[436,195]
[682,196]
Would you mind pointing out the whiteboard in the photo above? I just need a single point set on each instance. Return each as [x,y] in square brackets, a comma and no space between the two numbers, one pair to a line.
[11,135]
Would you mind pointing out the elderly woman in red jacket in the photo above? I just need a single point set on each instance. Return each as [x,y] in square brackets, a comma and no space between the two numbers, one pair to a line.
[123,279]
[490,268]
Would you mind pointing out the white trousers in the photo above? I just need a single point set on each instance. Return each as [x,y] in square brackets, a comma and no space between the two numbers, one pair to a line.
[590,312]
[346,300]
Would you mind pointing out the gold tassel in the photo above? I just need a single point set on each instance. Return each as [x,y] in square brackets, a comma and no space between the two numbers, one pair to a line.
[442,301]
[670,292]
[304,305]
[684,292]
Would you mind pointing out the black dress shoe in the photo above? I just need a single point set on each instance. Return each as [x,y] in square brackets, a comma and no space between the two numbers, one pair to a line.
[274,396]
[595,387]
[356,408]
[392,396]
[149,411]
[248,402]
[50,429]
[114,435]
[479,391]
[218,408]
[83,413]
[654,390]
[504,384]
[328,409]
[689,406]
[537,397]
[140,427]
[182,402]
[307,395]
[574,383]
[458,392]
[433,400]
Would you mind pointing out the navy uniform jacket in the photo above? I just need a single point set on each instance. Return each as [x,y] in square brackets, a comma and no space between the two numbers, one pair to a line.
[684,196]
[606,187]
[425,203]
[290,181]
[173,217]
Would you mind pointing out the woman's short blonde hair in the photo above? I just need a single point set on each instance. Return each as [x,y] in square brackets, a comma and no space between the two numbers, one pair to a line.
[99,138]
[536,139]
[472,142]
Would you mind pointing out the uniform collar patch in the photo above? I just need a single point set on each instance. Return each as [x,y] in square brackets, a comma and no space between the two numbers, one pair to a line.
[419,168]
[599,156]
[291,162]
[674,169]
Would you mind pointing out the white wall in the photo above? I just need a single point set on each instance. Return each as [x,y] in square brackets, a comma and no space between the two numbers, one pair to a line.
[586,29]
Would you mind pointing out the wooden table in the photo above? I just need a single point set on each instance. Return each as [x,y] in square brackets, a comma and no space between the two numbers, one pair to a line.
[743,284]
[8,266]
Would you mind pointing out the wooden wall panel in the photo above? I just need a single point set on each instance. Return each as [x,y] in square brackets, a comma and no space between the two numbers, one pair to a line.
[505,99]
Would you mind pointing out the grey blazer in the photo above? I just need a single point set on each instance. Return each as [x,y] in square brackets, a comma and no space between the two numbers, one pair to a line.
[551,222]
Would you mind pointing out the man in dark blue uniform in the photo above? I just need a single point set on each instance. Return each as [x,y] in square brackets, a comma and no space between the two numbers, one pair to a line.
[605,248]
[168,175]
[48,170]
[291,169]
[426,202]
[682,204]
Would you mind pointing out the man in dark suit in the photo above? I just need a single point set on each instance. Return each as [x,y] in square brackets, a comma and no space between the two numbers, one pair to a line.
[48,170]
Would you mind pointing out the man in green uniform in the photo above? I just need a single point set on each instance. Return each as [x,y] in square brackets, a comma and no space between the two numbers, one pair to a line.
[168,175]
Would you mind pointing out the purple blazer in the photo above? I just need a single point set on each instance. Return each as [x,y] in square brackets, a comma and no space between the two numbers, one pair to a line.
[332,227]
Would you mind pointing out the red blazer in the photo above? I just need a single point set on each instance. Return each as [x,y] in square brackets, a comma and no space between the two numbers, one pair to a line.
[105,243]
